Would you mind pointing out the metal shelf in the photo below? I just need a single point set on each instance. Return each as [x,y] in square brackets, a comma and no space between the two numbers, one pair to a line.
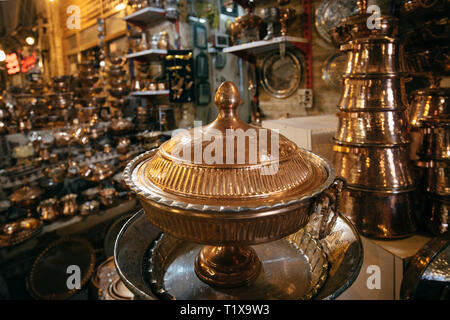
[150,93]
[256,47]
[147,54]
[146,16]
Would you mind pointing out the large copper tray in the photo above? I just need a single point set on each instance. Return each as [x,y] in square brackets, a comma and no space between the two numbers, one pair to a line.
[342,248]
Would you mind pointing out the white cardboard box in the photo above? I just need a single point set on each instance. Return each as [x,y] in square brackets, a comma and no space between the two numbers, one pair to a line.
[313,133]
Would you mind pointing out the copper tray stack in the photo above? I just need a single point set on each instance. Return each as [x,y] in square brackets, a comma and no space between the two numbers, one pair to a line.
[371,143]
[430,124]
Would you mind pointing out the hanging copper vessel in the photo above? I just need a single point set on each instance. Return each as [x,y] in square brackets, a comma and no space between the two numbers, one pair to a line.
[229,204]
[372,141]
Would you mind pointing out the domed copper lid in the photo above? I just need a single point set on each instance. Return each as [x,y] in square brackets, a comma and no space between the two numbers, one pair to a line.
[228,165]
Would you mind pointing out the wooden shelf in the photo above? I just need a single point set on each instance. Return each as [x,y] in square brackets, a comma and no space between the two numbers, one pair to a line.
[146,16]
[150,93]
[147,54]
[256,47]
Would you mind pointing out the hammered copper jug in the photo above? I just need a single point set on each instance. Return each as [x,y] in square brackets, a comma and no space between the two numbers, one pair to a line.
[371,143]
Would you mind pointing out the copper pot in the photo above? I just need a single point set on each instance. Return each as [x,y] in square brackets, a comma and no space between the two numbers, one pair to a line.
[432,103]
[97,172]
[229,207]
[373,93]
[388,214]
[48,210]
[108,197]
[69,204]
[90,208]
[121,126]
[26,197]
[373,167]
[123,145]
[436,176]
[435,141]
[435,215]
[381,128]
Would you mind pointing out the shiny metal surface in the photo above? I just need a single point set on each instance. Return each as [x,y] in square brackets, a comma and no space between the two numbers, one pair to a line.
[435,142]
[372,142]
[372,93]
[432,103]
[48,209]
[69,205]
[333,68]
[436,177]
[375,168]
[387,215]
[379,128]
[292,268]
[435,214]
[342,246]
[280,75]
[429,264]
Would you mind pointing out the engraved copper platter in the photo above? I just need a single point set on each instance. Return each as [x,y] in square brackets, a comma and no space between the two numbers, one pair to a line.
[235,201]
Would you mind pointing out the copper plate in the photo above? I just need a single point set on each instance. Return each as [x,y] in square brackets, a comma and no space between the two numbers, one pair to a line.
[19,231]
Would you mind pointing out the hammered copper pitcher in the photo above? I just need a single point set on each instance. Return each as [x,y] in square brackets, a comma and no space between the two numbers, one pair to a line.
[372,142]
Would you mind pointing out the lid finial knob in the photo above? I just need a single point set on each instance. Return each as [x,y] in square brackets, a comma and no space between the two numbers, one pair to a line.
[227,97]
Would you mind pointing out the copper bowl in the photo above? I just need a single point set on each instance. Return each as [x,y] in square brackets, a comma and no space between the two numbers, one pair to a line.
[229,207]
[381,128]
[371,167]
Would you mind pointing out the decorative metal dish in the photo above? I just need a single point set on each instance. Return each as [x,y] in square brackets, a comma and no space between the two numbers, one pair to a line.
[330,13]
[342,248]
[292,268]
[19,231]
[281,76]
[48,277]
[333,69]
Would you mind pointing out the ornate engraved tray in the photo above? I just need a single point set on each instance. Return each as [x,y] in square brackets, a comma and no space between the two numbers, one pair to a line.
[339,257]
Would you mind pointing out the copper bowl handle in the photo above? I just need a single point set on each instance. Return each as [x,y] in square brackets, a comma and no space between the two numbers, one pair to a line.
[329,204]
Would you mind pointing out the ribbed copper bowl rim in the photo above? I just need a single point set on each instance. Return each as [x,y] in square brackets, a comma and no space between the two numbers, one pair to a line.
[198,207]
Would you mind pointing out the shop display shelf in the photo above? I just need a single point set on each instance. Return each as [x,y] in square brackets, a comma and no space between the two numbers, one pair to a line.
[255,47]
[150,93]
[147,54]
[147,16]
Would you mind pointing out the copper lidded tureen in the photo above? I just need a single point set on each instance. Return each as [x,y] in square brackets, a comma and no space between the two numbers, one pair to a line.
[241,198]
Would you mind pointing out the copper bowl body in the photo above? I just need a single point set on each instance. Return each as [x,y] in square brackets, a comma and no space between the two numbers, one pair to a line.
[429,104]
[373,167]
[381,128]
[373,93]
[387,215]
[48,210]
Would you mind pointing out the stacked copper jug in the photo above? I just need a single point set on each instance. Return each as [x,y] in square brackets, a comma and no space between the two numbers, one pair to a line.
[430,129]
[372,141]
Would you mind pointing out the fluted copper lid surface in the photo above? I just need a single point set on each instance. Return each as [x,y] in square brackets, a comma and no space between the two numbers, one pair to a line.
[209,166]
